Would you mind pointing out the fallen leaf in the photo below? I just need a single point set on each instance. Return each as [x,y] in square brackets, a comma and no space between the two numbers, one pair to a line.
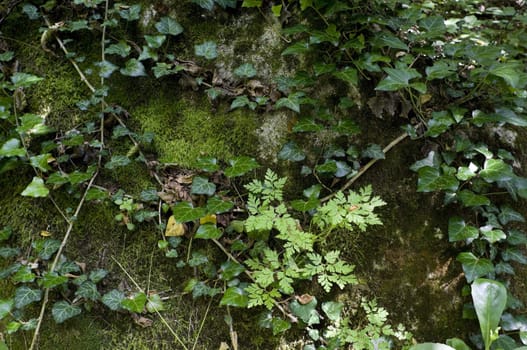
[208,219]
[45,233]
[174,228]
[224,346]
[142,321]
[304,299]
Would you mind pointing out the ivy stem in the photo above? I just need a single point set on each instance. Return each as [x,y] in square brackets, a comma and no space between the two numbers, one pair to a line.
[361,172]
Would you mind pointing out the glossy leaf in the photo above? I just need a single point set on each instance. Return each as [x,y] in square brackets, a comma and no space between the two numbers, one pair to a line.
[205,4]
[88,290]
[431,179]
[492,235]
[51,280]
[489,298]
[234,296]
[155,41]
[306,312]
[25,296]
[474,267]
[169,26]
[470,199]
[457,344]
[230,270]
[349,75]
[458,230]
[62,311]
[122,49]
[217,206]
[397,79]
[496,170]
[46,247]
[36,189]
[12,148]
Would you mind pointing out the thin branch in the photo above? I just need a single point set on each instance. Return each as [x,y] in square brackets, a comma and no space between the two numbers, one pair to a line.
[365,168]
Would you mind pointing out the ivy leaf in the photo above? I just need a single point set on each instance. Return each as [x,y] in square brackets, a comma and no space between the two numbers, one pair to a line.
[185,212]
[240,166]
[330,166]
[25,296]
[307,124]
[511,72]
[41,161]
[5,233]
[88,290]
[122,49]
[332,310]
[234,296]
[169,26]
[492,235]
[458,230]
[155,304]
[130,13]
[205,4]
[514,254]
[246,70]
[155,41]
[62,311]
[226,3]
[208,231]
[496,170]
[439,123]
[51,280]
[208,164]
[217,206]
[474,267]
[433,26]
[201,185]
[291,152]
[6,305]
[306,312]
[373,151]
[431,179]
[207,50]
[11,148]
[9,270]
[133,68]
[349,75]
[24,275]
[230,270]
[297,48]
[507,214]
[117,161]
[7,252]
[440,70]
[36,189]
[136,303]
[397,79]
[279,326]
[113,299]
[106,68]
[147,53]
[389,40]
[470,199]
[20,79]
[252,3]
[46,247]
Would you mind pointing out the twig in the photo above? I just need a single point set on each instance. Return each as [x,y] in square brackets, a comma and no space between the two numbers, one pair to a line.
[365,168]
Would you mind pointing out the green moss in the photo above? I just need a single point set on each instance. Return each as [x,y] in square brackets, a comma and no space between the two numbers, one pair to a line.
[187,128]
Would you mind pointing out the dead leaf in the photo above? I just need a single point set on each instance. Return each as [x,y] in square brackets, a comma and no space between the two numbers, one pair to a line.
[304,299]
[208,219]
[174,228]
[224,346]
[45,233]
[81,265]
[142,321]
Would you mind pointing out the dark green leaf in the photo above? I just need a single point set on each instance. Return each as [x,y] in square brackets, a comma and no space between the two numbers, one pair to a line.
[279,326]
[297,48]
[207,50]
[440,70]
[306,124]
[373,151]
[511,72]
[88,290]
[33,124]
[349,75]
[306,312]
[62,311]
[8,252]
[97,275]
[474,267]
[489,298]
[230,270]
[217,206]
[25,296]
[117,161]
[431,179]
[41,162]
[514,254]
[517,237]
[5,233]
[185,212]
[470,199]
[240,166]
[323,68]
[135,303]
[332,310]
[226,3]
[252,3]
[496,170]
[491,234]
[9,270]
[397,79]
[201,185]
[458,230]
[439,123]
[130,13]
[208,231]
[432,26]
[205,4]
[113,299]
[389,40]
[291,152]
[329,166]
[149,195]
[155,41]
[24,275]
[288,102]
[147,53]
[208,164]
[122,49]
[234,296]
[46,247]
[169,26]
[133,68]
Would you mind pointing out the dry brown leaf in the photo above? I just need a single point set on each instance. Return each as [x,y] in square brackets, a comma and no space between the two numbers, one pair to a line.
[174,228]
[304,299]
[142,321]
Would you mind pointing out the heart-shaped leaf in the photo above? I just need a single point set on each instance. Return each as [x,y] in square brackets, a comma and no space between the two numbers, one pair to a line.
[169,26]
[62,311]
[207,50]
